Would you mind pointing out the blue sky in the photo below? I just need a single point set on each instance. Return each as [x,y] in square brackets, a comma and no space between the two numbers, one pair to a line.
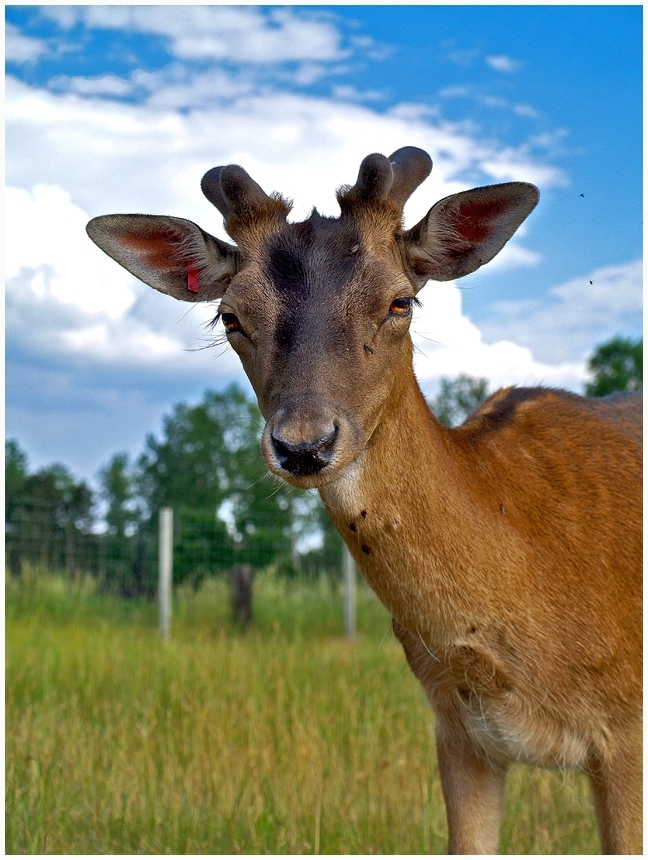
[124,108]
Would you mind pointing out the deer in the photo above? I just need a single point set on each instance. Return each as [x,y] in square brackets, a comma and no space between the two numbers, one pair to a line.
[507,550]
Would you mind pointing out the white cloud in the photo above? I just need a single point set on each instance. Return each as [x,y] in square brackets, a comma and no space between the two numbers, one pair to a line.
[348,93]
[448,343]
[456,91]
[512,256]
[114,156]
[22,49]
[574,316]
[526,111]
[66,299]
[48,252]
[509,165]
[102,85]
[242,34]
[72,154]
[502,63]
[72,157]
[461,91]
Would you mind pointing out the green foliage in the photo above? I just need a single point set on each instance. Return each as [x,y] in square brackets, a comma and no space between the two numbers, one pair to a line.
[202,452]
[209,458]
[327,559]
[202,545]
[15,473]
[129,542]
[48,516]
[616,366]
[457,398]
[119,491]
[207,465]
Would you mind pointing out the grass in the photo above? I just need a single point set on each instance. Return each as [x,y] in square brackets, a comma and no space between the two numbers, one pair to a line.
[282,739]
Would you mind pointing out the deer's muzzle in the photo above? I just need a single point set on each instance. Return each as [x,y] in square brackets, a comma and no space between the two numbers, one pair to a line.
[306,457]
[307,445]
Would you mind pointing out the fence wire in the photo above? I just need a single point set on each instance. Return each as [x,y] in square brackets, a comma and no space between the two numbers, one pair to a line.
[42,535]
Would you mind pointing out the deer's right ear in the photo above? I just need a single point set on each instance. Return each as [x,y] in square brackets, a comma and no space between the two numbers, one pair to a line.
[171,255]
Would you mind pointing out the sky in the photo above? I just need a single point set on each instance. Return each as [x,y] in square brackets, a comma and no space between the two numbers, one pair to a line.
[123,109]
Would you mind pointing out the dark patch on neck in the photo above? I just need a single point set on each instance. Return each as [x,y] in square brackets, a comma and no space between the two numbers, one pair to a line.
[502,409]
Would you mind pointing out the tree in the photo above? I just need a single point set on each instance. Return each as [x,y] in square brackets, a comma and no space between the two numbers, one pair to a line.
[70,505]
[127,544]
[457,398]
[49,516]
[616,366]
[209,458]
[199,460]
[119,490]
[327,558]
[15,477]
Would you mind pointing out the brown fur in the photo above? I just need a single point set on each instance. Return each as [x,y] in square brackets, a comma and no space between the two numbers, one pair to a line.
[510,558]
[508,550]
[250,228]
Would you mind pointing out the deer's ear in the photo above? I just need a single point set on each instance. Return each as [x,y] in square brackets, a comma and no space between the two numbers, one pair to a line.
[462,232]
[171,255]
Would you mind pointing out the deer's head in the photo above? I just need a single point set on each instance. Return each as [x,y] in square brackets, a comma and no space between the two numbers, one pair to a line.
[319,311]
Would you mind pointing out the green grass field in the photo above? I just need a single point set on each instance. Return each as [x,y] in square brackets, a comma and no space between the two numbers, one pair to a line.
[282,739]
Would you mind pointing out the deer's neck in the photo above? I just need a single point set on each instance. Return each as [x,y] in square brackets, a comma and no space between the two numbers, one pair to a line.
[414,517]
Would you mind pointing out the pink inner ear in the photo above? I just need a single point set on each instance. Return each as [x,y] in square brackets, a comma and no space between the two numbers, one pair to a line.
[476,219]
[155,249]
[193,277]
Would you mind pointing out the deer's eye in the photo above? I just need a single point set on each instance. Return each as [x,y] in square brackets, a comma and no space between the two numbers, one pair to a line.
[400,307]
[231,323]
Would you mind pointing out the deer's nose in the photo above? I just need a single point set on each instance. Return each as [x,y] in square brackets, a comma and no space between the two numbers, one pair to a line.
[305,457]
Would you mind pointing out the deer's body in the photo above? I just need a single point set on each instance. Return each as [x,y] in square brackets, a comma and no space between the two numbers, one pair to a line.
[526,648]
[508,550]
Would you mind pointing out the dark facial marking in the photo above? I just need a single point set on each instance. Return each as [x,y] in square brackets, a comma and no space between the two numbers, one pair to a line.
[286,329]
[287,268]
[366,550]
[306,262]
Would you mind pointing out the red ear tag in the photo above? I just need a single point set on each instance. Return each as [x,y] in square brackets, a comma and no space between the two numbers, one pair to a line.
[193,277]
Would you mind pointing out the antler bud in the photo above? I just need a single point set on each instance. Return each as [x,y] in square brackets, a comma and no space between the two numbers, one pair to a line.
[410,166]
[375,178]
[393,178]
[232,190]
[240,199]
[211,188]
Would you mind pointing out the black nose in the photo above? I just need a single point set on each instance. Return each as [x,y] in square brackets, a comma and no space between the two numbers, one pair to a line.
[305,458]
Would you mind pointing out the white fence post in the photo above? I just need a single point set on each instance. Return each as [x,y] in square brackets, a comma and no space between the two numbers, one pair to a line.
[166,570]
[348,567]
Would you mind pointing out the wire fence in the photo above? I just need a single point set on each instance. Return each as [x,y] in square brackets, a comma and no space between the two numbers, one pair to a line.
[42,535]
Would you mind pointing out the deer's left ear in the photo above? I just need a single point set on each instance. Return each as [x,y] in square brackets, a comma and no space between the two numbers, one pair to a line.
[462,232]
[171,255]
